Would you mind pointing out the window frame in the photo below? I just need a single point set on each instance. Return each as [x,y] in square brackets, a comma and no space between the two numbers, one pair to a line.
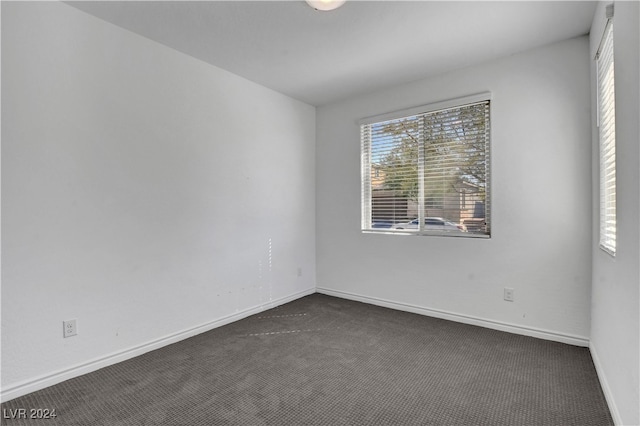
[366,190]
[607,223]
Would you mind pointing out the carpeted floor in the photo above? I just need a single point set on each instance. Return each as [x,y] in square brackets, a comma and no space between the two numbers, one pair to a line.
[321,360]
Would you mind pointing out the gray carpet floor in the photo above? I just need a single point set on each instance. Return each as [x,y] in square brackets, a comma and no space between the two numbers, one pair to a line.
[321,360]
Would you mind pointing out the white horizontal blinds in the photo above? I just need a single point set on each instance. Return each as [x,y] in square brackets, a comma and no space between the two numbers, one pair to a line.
[456,152]
[393,175]
[365,149]
[607,134]
[433,164]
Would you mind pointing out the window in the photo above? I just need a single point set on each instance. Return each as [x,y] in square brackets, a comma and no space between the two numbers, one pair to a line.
[607,138]
[425,171]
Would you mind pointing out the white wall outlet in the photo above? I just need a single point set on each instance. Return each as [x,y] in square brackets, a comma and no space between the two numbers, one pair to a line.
[299,272]
[70,328]
[508,294]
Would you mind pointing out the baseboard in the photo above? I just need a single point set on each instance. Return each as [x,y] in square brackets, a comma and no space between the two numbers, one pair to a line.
[38,383]
[604,384]
[466,319]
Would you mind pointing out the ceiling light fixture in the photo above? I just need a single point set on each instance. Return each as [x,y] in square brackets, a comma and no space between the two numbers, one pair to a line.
[325,5]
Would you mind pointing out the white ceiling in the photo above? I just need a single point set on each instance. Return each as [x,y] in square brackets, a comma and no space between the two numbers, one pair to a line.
[322,57]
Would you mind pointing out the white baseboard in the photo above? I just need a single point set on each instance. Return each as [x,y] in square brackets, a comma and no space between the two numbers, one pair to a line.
[608,396]
[38,383]
[466,319]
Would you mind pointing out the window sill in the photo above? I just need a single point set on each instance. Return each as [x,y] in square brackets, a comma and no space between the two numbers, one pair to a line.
[608,251]
[428,233]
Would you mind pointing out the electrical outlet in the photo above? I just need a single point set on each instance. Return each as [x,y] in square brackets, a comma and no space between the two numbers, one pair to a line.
[70,328]
[299,272]
[508,294]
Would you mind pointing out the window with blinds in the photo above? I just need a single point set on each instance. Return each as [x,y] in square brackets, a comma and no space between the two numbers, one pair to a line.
[607,139]
[426,171]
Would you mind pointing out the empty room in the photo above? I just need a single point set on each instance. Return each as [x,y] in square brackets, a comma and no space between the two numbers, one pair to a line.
[320,213]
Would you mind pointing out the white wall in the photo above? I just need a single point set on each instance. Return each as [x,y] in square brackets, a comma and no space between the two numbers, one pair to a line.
[615,312]
[144,193]
[541,225]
